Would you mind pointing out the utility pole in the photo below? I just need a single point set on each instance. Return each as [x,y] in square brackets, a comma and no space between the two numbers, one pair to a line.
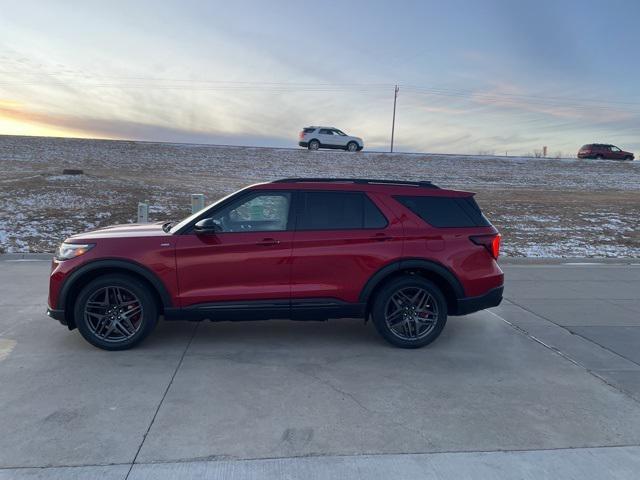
[393,123]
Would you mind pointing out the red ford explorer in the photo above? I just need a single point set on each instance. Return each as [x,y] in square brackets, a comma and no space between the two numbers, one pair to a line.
[403,254]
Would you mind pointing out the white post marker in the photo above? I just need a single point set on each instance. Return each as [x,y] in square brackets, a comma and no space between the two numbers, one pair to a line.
[197,202]
[143,212]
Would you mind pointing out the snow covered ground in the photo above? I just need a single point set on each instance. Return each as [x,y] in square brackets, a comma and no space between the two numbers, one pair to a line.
[544,207]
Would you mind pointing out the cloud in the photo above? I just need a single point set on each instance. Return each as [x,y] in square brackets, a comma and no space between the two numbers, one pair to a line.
[115,128]
[510,97]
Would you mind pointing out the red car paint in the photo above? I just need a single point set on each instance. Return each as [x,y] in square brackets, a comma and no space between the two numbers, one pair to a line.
[604,151]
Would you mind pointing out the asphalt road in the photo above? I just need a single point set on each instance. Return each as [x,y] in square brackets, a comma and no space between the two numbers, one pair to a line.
[545,386]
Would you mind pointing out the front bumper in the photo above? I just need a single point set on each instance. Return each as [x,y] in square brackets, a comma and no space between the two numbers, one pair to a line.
[473,304]
[57,315]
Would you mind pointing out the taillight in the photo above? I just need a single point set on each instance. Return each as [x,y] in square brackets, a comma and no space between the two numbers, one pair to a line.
[301,135]
[490,242]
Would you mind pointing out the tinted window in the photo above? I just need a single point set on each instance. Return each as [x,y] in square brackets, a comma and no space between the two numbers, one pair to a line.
[338,211]
[446,211]
[257,213]
[309,130]
[324,131]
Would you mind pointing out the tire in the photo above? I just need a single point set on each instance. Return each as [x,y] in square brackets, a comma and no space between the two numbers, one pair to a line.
[352,147]
[314,145]
[628,158]
[598,157]
[409,332]
[109,297]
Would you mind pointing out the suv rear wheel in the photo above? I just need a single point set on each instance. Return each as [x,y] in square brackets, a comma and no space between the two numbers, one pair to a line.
[115,312]
[410,312]
[314,145]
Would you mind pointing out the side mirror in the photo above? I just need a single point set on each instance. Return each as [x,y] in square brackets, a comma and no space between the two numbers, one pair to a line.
[207,225]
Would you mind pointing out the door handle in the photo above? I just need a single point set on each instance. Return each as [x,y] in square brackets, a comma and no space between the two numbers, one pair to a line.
[382,237]
[267,242]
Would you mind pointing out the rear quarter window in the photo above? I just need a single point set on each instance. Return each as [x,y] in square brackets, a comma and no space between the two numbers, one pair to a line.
[444,212]
[309,130]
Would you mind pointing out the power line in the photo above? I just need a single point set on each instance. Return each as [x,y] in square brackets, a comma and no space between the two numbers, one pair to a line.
[285,87]
[458,92]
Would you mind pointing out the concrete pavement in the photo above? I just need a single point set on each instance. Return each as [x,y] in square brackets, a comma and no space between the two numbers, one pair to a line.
[546,385]
[590,313]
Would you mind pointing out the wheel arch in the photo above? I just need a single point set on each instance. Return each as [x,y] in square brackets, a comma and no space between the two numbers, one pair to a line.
[437,273]
[86,273]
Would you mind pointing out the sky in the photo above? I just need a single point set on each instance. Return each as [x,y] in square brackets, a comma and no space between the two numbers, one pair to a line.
[491,76]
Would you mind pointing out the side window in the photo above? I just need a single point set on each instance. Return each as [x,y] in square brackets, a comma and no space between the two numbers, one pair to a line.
[324,131]
[446,212]
[373,217]
[614,149]
[262,212]
[338,132]
[338,211]
[309,130]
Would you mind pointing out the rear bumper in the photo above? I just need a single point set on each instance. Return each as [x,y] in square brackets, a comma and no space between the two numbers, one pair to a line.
[303,144]
[472,304]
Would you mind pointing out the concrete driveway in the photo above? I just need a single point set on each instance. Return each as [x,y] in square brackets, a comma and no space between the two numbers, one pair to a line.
[546,384]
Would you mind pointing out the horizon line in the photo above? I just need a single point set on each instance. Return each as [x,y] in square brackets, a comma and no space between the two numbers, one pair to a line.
[53,137]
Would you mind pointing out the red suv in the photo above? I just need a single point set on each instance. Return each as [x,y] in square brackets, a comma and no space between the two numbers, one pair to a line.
[602,150]
[405,254]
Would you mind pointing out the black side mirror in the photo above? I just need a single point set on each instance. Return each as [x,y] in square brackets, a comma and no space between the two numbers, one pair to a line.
[207,226]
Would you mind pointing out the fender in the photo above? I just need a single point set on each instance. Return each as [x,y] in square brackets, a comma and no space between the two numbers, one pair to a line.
[126,265]
[408,263]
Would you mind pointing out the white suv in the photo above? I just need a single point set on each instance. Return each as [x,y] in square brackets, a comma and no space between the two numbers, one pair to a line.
[329,137]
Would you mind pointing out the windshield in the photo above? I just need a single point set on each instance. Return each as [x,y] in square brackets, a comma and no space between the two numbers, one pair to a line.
[178,226]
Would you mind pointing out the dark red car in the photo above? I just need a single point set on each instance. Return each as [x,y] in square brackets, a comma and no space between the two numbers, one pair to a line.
[603,151]
[405,254]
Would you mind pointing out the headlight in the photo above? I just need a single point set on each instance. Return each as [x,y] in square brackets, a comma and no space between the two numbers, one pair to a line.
[67,251]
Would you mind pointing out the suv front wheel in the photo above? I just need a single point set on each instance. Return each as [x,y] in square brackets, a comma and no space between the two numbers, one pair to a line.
[115,312]
[409,312]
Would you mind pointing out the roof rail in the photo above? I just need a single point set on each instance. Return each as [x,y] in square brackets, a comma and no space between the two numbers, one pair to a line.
[366,181]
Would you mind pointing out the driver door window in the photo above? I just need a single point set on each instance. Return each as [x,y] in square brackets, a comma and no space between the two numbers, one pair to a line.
[327,137]
[339,138]
[263,212]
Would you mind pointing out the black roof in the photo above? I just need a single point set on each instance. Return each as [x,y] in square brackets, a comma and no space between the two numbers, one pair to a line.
[360,181]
